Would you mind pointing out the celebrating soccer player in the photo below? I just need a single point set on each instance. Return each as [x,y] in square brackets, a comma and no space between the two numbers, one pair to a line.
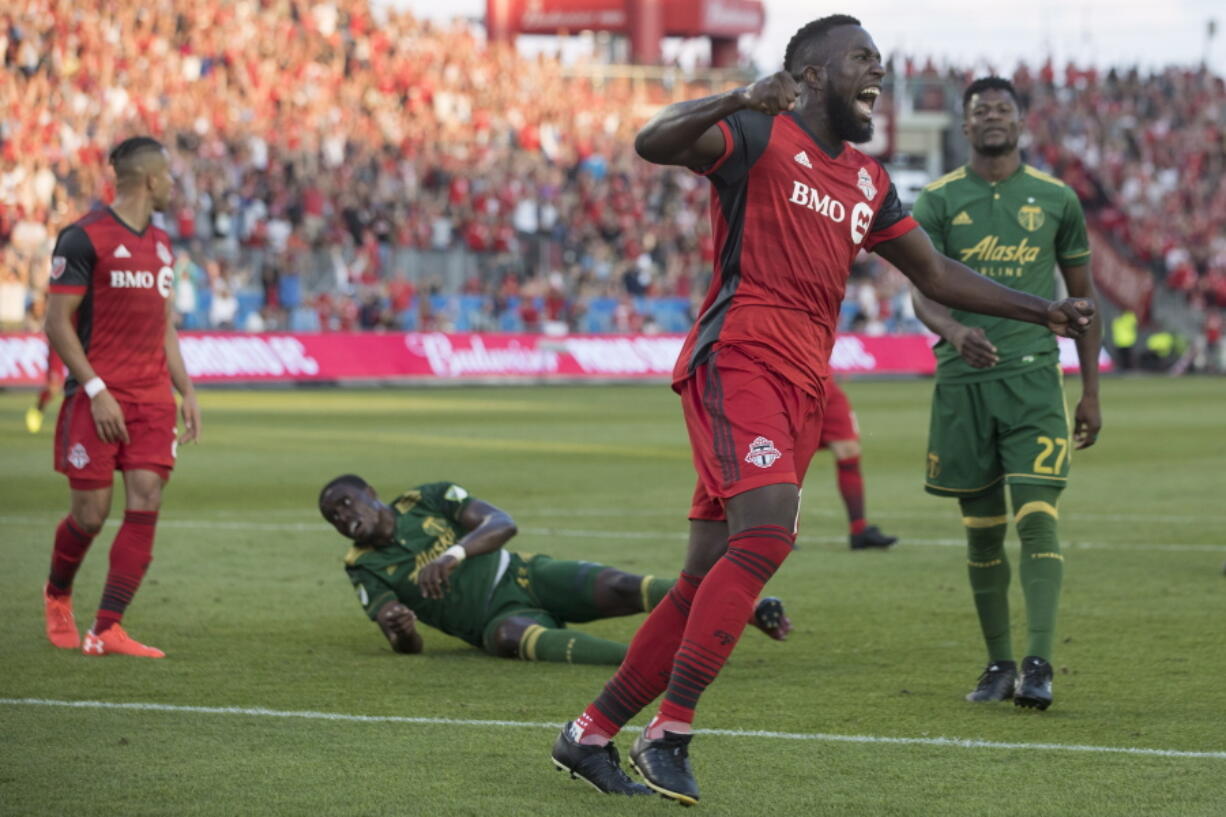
[436,555]
[109,319]
[792,204]
[998,413]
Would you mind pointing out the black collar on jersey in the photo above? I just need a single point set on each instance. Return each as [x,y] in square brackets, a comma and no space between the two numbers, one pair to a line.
[127,226]
[833,154]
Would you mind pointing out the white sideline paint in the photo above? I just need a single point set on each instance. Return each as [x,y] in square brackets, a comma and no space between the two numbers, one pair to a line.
[958,743]
[574,533]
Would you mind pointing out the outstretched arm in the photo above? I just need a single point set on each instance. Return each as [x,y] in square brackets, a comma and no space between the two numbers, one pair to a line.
[489,528]
[947,282]
[399,624]
[685,133]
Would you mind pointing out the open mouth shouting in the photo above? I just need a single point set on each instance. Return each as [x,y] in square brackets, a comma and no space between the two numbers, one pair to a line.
[865,100]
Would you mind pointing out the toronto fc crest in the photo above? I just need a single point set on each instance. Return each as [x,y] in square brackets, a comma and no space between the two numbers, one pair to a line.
[762,453]
[77,456]
[865,183]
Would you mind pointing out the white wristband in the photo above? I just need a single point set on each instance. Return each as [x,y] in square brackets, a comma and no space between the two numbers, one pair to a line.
[456,552]
[93,386]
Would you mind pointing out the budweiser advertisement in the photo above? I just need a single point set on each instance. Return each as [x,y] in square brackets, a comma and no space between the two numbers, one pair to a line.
[438,357]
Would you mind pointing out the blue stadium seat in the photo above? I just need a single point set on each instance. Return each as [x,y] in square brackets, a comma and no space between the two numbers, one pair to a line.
[304,319]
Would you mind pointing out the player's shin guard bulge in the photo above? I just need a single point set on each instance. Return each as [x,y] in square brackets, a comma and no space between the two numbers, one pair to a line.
[130,557]
[720,612]
[986,521]
[643,674]
[1042,564]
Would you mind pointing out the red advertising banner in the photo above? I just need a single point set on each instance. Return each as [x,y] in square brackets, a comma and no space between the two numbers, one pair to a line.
[437,357]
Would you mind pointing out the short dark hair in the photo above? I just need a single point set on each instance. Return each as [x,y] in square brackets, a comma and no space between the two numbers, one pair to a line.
[352,480]
[990,84]
[810,33]
[123,156]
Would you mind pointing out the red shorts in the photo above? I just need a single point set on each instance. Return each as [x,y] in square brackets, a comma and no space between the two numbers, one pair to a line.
[748,427]
[89,463]
[839,422]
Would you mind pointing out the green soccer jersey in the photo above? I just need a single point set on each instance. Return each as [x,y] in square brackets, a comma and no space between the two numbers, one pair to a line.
[1015,232]
[427,523]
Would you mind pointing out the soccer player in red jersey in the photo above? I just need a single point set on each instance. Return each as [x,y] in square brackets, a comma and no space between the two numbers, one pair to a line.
[840,434]
[109,319]
[792,203]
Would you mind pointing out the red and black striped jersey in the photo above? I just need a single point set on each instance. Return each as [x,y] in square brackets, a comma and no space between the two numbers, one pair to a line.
[126,278]
[788,220]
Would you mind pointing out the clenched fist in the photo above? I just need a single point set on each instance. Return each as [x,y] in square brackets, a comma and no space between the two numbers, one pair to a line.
[774,94]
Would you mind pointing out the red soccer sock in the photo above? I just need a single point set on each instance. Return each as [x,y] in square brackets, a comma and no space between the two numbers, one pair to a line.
[130,557]
[720,611]
[851,486]
[644,672]
[71,545]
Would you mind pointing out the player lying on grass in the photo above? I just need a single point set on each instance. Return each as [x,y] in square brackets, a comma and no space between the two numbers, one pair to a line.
[436,555]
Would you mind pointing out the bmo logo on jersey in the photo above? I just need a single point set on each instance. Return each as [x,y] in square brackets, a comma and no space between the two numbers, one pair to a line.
[833,209]
[143,279]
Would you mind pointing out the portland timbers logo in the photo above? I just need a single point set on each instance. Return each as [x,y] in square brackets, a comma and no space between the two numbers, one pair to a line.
[1031,216]
[762,453]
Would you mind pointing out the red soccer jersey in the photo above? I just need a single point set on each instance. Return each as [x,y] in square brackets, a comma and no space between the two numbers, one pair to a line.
[788,219]
[126,278]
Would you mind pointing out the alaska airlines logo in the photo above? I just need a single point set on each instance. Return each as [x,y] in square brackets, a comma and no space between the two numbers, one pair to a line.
[143,279]
[833,209]
[989,248]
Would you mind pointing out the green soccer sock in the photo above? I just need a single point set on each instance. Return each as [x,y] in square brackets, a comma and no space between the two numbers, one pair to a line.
[568,646]
[653,591]
[986,520]
[1042,565]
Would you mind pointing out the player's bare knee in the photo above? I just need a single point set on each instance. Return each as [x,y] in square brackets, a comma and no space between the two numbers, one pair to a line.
[504,641]
[143,491]
[845,449]
[90,521]
[708,541]
[769,505]
[618,593]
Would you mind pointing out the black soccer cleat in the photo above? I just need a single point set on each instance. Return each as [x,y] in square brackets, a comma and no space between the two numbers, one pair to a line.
[871,537]
[665,765]
[599,766]
[996,683]
[768,614]
[1034,687]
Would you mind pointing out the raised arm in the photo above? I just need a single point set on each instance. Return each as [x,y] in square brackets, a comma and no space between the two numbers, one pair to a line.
[950,283]
[686,133]
[488,528]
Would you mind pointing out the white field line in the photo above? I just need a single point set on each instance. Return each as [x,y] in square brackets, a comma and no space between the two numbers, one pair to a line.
[958,743]
[576,533]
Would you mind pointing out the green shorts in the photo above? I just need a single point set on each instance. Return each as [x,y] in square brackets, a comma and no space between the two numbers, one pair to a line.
[1014,429]
[549,591]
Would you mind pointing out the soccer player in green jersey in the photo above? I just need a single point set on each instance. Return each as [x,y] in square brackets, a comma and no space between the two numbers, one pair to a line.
[436,555]
[998,413]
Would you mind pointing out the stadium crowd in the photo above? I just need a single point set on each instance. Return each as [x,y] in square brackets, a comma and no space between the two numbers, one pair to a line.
[339,172]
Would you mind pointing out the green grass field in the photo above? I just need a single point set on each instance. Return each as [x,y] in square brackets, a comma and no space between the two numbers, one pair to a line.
[248,597]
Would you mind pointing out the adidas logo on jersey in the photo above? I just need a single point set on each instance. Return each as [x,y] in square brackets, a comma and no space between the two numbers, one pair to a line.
[122,252]
[802,158]
[962,219]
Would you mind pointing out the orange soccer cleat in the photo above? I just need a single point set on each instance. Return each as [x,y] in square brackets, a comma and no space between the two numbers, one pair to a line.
[114,641]
[61,625]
